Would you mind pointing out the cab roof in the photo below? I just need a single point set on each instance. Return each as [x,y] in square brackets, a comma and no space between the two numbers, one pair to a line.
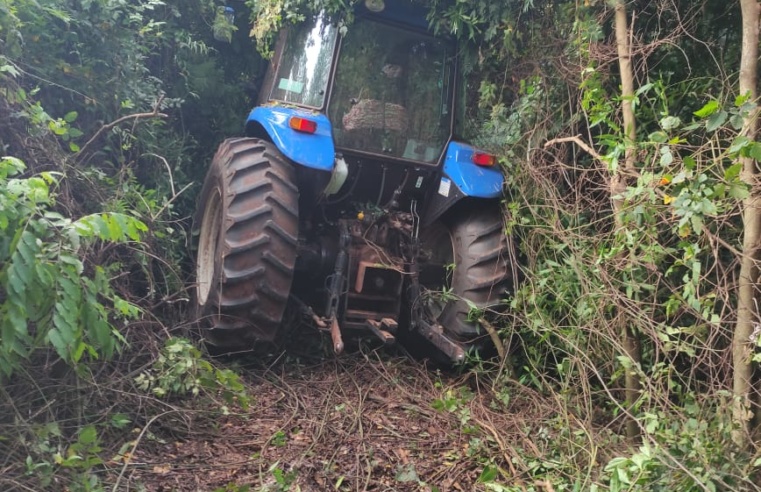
[397,11]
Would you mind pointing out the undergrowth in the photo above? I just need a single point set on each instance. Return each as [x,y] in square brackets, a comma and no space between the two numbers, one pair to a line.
[96,186]
[667,274]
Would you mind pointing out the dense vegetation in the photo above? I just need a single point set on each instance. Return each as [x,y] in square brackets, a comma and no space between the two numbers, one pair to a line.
[626,131]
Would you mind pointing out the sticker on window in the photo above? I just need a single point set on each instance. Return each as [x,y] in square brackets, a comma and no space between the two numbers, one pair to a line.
[289,85]
[444,186]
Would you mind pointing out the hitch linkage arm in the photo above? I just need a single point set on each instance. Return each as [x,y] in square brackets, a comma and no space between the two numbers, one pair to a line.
[336,288]
[431,331]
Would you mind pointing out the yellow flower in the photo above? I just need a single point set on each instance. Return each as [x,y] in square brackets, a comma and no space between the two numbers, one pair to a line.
[667,199]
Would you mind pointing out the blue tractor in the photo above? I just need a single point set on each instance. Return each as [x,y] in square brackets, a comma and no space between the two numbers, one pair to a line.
[350,200]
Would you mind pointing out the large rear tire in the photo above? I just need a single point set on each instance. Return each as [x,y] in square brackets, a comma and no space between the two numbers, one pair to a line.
[472,253]
[248,240]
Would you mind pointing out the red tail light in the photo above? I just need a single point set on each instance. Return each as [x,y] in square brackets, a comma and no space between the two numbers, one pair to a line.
[483,159]
[302,124]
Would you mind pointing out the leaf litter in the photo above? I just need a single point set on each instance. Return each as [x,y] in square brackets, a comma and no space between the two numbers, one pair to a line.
[357,423]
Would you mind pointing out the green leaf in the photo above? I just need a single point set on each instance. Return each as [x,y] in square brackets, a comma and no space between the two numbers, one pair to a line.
[670,122]
[56,128]
[716,120]
[64,322]
[70,116]
[116,227]
[739,144]
[71,289]
[56,340]
[12,165]
[679,178]
[77,353]
[755,151]
[737,121]
[666,156]
[739,191]
[119,420]
[94,225]
[488,474]
[100,332]
[742,99]
[6,367]
[60,14]
[87,435]
[126,308]
[10,69]
[72,261]
[697,223]
[710,108]
[28,248]
[733,171]
[16,282]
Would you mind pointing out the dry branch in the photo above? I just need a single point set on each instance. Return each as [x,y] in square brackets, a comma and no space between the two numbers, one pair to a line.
[494,338]
[578,141]
[135,117]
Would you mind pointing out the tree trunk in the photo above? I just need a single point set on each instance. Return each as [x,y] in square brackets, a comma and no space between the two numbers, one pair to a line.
[617,187]
[746,297]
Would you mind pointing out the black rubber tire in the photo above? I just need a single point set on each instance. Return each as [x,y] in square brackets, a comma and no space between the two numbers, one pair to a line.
[248,240]
[480,251]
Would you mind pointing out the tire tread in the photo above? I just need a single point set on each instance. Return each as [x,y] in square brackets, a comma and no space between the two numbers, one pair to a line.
[259,243]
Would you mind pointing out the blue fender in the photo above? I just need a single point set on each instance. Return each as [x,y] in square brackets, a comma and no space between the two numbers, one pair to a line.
[472,180]
[313,150]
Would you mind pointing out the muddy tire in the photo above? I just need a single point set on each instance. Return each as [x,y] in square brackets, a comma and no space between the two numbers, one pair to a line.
[247,244]
[474,252]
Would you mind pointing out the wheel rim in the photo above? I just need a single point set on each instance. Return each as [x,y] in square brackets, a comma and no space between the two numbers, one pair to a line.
[438,241]
[211,225]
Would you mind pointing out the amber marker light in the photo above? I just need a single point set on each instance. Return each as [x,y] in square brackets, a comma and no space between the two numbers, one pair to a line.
[302,124]
[483,159]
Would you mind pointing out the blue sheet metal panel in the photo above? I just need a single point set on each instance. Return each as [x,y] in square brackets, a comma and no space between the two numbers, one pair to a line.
[315,150]
[472,180]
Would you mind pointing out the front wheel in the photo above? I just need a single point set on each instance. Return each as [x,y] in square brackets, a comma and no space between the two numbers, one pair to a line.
[466,263]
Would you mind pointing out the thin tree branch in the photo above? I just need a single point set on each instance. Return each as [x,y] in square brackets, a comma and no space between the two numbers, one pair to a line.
[136,116]
[578,141]
[494,338]
[128,457]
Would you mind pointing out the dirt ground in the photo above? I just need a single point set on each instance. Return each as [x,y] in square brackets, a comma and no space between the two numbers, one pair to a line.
[361,422]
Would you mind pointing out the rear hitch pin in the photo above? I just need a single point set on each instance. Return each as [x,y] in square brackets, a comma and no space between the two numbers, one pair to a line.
[335,335]
[415,219]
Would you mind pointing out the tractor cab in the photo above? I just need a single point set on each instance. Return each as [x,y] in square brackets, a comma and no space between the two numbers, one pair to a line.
[387,90]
